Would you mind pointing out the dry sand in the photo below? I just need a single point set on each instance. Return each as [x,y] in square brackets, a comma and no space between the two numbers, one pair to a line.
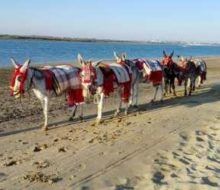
[173,145]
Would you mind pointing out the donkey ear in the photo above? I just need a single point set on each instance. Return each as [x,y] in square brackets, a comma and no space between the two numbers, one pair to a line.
[116,55]
[96,63]
[25,66]
[164,53]
[16,65]
[80,59]
[123,56]
[171,55]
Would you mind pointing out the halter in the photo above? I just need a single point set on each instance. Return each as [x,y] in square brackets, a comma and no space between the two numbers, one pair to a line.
[22,80]
[89,74]
[89,77]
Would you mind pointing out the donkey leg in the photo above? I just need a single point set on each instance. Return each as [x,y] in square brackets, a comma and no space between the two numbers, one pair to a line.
[170,86]
[81,112]
[74,113]
[190,89]
[118,109]
[173,86]
[161,94]
[45,110]
[166,87]
[199,81]
[126,108]
[155,94]
[131,99]
[100,106]
[185,87]
[192,85]
[135,94]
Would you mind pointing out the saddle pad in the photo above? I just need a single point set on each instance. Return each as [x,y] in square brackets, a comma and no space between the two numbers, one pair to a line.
[67,77]
[152,66]
[122,72]
[200,63]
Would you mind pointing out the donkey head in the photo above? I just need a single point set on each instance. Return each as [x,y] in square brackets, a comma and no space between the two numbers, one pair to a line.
[18,83]
[167,59]
[120,59]
[88,77]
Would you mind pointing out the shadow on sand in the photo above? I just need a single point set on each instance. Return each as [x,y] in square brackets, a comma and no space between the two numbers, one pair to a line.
[201,96]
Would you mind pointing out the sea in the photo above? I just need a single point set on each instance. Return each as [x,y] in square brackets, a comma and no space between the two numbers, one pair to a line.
[48,52]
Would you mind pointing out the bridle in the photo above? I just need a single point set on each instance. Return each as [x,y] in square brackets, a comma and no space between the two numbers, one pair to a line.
[22,79]
[89,77]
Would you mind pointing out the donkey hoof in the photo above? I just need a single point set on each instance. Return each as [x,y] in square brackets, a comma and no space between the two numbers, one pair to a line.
[152,101]
[44,128]
[135,107]
[116,114]
[161,101]
[98,121]
[71,119]
[126,113]
[81,118]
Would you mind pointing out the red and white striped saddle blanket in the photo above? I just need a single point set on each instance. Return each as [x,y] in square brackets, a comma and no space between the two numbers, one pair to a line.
[64,78]
[115,73]
[67,77]
[152,68]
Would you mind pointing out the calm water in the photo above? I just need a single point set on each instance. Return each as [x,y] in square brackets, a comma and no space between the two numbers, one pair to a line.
[52,51]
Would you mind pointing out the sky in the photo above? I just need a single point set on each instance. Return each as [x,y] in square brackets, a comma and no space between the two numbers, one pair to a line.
[173,20]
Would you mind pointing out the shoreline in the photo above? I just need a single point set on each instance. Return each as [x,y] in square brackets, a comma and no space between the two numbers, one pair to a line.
[107,60]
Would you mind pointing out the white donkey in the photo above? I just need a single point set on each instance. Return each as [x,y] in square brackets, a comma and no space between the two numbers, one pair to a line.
[136,77]
[26,78]
[147,70]
[100,79]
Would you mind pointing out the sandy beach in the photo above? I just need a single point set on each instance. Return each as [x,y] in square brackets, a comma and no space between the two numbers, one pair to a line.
[169,145]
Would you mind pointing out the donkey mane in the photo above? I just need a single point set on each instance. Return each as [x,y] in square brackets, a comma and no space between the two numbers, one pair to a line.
[38,73]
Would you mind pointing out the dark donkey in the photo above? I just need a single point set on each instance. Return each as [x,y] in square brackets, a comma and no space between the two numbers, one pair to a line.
[170,72]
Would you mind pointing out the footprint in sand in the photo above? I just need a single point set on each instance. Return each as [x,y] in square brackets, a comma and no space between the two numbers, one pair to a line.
[12,163]
[62,149]
[184,136]
[42,164]
[158,178]
[38,148]
[214,128]
[81,167]
[212,181]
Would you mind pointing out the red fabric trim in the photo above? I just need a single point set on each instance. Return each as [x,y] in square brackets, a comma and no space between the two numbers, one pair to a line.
[22,82]
[108,85]
[126,93]
[48,75]
[89,74]
[156,77]
[74,96]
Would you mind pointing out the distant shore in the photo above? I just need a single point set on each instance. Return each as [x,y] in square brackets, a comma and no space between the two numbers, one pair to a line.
[66,39]
[69,39]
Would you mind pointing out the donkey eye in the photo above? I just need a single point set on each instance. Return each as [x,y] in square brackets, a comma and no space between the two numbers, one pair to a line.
[19,78]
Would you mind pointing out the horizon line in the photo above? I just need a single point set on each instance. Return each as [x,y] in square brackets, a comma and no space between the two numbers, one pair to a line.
[87,39]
